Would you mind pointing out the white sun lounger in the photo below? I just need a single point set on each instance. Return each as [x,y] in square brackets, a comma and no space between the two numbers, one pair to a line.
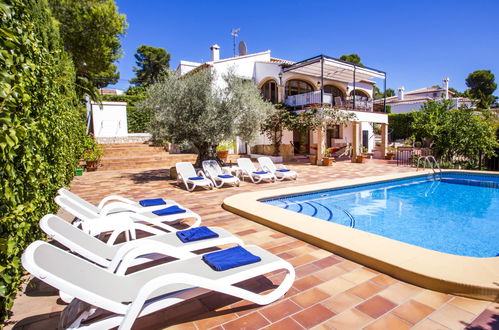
[215,173]
[249,170]
[108,255]
[97,223]
[280,172]
[113,203]
[143,292]
[191,179]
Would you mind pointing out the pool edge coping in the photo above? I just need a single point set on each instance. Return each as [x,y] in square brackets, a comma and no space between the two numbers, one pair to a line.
[465,276]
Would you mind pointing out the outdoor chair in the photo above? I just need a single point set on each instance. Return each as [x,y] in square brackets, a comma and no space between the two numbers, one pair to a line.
[215,173]
[249,170]
[191,179]
[345,151]
[130,296]
[280,171]
[97,223]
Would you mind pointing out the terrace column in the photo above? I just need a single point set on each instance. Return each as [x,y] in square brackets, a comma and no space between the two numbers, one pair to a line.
[280,94]
[384,139]
[355,140]
[321,143]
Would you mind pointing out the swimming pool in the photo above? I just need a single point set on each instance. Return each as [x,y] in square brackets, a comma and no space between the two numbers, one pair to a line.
[455,213]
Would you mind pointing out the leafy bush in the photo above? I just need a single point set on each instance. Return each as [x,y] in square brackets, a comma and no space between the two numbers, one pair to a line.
[41,129]
[400,125]
[138,119]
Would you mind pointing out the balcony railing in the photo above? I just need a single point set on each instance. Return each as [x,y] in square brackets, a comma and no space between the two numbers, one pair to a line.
[362,103]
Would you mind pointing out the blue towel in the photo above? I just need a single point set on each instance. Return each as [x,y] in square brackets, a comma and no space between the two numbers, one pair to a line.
[230,258]
[169,210]
[225,176]
[196,234]
[283,170]
[196,178]
[152,202]
[260,172]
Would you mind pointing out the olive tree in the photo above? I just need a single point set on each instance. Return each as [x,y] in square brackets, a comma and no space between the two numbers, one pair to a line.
[191,108]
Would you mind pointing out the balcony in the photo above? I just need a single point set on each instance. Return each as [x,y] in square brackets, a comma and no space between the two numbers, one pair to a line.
[307,100]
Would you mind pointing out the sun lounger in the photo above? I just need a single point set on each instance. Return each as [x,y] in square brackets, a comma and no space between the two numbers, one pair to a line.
[191,179]
[109,255]
[280,172]
[116,203]
[97,223]
[215,173]
[143,292]
[249,170]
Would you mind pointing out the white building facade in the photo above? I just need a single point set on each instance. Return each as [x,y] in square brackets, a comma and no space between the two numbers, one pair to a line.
[321,81]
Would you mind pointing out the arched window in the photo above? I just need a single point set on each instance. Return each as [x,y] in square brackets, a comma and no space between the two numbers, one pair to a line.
[336,93]
[359,92]
[269,91]
[295,86]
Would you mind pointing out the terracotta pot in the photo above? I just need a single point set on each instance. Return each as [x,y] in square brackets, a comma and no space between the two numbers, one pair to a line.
[360,158]
[92,165]
[312,159]
[390,156]
[223,154]
[327,161]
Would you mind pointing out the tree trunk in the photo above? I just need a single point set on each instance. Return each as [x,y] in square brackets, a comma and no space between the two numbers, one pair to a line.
[206,151]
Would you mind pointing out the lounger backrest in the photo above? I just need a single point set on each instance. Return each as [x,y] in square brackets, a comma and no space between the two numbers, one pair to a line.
[211,168]
[78,199]
[267,164]
[246,164]
[75,239]
[185,169]
[75,209]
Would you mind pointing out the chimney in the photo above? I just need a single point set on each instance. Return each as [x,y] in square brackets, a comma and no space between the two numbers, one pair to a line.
[446,86]
[401,93]
[215,52]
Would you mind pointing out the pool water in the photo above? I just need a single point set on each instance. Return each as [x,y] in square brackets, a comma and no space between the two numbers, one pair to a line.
[456,213]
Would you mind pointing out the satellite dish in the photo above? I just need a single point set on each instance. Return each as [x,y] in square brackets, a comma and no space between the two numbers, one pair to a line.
[243,50]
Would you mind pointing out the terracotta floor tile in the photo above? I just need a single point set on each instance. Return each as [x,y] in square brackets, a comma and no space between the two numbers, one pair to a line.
[310,297]
[470,305]
[413,311]
[212,319]
[306,270]
[285,324]
[313,316]
[301,260]
[250,321]
[307,282]
[366,289]
[429,325]
[389,321]
[400,292]
[335,286]
[376,306]
[384,280]
[326,262]
[341,302]
[348,265]
[329,273]
[280,310]
[432,298]
[349,319]
[452,317]
[358,276]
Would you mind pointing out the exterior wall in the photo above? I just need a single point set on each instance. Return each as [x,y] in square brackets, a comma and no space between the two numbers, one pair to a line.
[404,108]
[186,66]
[367,88]
[243,66]
[110,120]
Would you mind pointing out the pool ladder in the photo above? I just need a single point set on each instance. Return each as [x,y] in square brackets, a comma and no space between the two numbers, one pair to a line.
[432,163]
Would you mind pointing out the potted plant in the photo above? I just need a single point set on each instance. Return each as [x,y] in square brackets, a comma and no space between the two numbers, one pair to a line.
[390,155]
[223,150]
[327,159]
[360,158]
[92,154]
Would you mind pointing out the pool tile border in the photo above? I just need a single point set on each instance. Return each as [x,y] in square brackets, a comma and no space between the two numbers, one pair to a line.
[465,276]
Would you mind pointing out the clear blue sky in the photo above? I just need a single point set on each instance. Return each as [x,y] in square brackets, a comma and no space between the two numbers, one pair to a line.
[416,42]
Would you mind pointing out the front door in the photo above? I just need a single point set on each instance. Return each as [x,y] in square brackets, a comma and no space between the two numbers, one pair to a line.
[365,139]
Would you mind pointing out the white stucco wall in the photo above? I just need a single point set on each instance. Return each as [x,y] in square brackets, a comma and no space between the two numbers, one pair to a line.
[243,66]
[109,120]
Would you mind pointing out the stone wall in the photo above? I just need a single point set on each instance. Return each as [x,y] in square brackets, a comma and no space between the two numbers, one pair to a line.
[286,150]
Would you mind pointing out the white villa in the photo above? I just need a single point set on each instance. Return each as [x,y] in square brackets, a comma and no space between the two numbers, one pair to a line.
[306,84]
[413,100]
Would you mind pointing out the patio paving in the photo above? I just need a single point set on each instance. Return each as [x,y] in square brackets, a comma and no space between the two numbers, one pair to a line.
[330,292]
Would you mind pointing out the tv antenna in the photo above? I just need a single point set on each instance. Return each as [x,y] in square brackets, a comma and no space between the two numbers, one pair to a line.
[235,33]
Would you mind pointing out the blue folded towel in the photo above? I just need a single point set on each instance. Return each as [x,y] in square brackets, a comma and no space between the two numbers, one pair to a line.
[152,202]
[260,172]
[283,170]
[169,210]
[196,178]
[230,258]
[196,234]
[225,176]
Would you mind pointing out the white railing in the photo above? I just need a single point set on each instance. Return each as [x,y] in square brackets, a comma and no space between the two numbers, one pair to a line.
[306,99]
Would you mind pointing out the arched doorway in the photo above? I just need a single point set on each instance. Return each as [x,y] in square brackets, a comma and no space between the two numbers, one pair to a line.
[269,91]
[338,96]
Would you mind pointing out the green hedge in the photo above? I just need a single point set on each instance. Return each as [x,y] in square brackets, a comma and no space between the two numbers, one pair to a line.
[138,120]
[41,126]
[400,125]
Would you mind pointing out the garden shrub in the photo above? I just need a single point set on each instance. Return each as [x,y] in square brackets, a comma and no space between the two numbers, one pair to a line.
[400,125]
[41,126]
[138,119]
